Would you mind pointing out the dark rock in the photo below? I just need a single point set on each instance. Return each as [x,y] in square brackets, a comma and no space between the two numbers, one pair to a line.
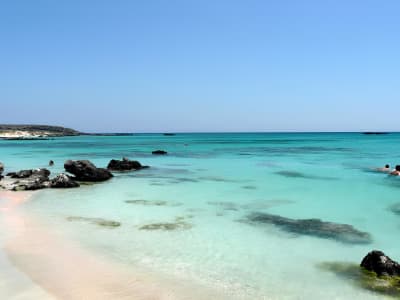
[51,163]
[124,165]
[314,227]
[159,152]
[29,173]
[63,181]
[84,170]
[381,264]
[1,170]
[30,180]
[375,132]
[169,134]
[360,277]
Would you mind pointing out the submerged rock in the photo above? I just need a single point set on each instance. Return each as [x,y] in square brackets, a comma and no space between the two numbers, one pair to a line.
[362,278]
[85,170]
[179,224]
[97,221]
[395,208]
[63,181]
[159,152]
[314,227]
[147,202]
[124,165]
[51,163]
[381,264]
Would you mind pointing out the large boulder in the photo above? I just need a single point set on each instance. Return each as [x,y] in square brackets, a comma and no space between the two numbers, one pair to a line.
[63,181]
[84,170]
[376,261]
[124,165]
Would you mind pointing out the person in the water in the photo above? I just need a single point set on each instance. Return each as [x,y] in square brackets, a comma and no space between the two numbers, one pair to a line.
[396,171]
[385,169]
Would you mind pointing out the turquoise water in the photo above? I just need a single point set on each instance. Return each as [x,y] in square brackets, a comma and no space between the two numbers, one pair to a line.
[207,186]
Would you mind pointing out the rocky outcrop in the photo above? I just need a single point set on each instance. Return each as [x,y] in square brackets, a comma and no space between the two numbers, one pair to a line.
[159,152]
[124,165]
[376,261]
[1,170]
[29,180]
[84,170]
[63,181]
[29,173]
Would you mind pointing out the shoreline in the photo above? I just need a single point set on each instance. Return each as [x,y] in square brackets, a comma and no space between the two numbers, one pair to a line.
[62,269]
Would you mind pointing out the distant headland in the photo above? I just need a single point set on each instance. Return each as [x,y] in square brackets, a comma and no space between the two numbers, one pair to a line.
[26,131]
[43,132]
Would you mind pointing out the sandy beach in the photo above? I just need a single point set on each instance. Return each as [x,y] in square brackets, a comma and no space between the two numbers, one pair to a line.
[46,266]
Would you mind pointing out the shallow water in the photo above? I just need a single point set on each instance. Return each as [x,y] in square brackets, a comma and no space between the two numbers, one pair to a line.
[187,216]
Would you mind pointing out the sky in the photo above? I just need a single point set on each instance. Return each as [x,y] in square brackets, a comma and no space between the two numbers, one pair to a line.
[210,65]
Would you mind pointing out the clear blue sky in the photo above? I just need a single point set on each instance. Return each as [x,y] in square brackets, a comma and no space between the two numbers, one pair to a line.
[205,65]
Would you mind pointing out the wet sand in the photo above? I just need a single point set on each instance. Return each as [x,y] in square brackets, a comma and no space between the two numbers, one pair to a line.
[61,269]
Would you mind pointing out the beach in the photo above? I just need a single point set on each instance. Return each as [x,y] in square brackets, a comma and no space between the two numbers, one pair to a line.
[204,221]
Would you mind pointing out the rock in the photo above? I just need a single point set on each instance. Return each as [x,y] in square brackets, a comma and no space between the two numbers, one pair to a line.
[29,180]
[360,277]
[63,181]
[381,264]
[159,152]
[51,163]
[314,227]
[29,173]
[1,170]
[124,165]
[84,170]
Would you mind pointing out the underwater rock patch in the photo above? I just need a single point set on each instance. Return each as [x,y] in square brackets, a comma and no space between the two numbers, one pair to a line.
[295,174]
[265,204]
[395,208]
[96,221]
[147,202]
[249,187]
[167,226]
[313,227]
[225,205]
[364,279]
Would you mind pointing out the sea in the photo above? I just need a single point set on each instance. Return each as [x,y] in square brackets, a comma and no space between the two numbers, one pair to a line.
[250,215]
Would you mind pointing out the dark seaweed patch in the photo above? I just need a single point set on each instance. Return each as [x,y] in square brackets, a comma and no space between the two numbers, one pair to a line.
[97,221]
[395,208]
[249,187]
[313,227]
[295,174]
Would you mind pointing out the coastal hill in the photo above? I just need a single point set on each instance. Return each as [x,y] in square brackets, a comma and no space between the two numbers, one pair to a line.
[34,131]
